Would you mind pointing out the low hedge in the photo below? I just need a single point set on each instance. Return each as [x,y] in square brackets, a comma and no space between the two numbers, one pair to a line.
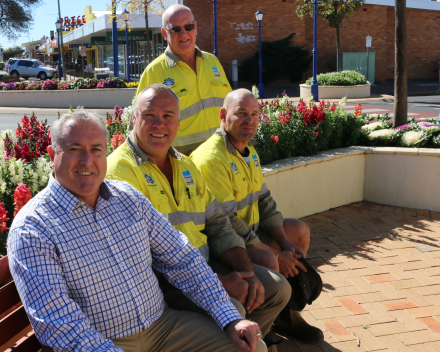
[344,78]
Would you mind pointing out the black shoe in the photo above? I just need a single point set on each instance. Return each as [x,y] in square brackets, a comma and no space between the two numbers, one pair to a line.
[292,324]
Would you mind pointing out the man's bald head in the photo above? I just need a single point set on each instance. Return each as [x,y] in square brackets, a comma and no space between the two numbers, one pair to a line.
[172,10]
[237,95]
[240,117]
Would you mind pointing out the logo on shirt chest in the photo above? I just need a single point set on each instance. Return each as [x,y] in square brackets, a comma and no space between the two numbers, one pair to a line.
[254,156]
[188,178]
[169,82]
[216,72]
[234,167]
[149,179]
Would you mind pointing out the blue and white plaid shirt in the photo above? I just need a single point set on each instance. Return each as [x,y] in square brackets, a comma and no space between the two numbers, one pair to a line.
[85,275]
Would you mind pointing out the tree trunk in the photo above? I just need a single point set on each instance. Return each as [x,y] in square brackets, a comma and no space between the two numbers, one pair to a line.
[147,34]
[338,53]
[400,68]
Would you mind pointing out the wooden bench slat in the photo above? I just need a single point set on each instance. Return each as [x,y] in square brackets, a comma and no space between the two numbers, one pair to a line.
[28,343]
[5,274]
[13,324]
[8,297]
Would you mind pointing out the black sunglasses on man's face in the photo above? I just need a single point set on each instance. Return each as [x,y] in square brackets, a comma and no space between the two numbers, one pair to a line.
[176,29]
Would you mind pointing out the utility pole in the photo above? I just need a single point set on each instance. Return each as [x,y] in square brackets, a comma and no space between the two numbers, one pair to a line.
[400,65]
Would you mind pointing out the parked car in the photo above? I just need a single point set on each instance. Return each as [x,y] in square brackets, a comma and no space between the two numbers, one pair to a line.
[30,68]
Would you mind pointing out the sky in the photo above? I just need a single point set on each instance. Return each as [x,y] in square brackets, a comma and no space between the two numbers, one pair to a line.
[46,15]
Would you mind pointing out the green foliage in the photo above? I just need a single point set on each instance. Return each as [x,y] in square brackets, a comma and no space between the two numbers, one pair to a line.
[344,78]
[280,59]
[2,65]
[288,130]
[332,11]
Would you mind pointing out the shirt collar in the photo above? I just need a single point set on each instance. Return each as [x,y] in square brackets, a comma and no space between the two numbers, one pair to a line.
[140,156]
[66,199]
[173,58]
[229,146]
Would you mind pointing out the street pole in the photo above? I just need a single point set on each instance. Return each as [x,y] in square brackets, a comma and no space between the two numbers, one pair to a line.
[215,26]
[115,41]
[126,16]
[400,66]
[259,16]
[59,53]
[315,53]
[61,43]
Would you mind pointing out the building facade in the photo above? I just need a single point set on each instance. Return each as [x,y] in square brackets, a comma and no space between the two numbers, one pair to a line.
[238,33]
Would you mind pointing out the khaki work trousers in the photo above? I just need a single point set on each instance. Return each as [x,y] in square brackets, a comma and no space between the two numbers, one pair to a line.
[277,295]
[181,331]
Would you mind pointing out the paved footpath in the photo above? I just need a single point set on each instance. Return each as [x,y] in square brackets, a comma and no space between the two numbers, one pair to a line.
[380,267]
[371,109]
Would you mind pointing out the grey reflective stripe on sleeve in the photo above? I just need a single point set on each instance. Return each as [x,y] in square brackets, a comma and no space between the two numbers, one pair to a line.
[212,209]
[264,189]
[228,206]
[194,137]
[204,251]
[200,106]
[182,217]
[252,198]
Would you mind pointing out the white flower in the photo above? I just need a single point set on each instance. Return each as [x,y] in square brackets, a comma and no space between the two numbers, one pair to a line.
[10,133]
[311,99]
[284,100]
[44,180]
[3,188]
[411,138]
[373,115]
[372,126]
[255,91]
[387,133]
[342,103]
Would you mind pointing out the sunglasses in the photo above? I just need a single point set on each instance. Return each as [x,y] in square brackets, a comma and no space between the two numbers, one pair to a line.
[176,29]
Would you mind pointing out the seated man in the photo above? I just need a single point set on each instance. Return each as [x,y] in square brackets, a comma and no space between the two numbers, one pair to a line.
[176,188]
[232,171]
[82,254]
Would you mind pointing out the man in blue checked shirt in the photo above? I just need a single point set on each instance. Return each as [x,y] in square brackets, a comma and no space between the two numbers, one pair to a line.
[82,254]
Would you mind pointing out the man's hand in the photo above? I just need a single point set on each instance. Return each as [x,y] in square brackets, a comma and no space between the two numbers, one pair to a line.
[244,333]
[297,251]
[289,264]
[255,294]
[236,286]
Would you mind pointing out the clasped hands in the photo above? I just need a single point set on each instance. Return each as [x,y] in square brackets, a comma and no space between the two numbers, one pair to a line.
[288,259]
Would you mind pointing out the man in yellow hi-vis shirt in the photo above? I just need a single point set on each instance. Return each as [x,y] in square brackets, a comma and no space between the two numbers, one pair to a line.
[176,188]
[232,170]
[196,77]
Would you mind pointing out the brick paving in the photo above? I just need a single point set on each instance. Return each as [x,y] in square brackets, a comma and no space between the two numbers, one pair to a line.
[380,267]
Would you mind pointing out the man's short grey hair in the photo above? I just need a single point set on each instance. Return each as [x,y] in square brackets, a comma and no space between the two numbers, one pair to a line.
[165,14]
[77,116]
[157,88]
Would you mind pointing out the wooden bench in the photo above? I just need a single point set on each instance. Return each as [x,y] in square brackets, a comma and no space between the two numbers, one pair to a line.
[10,79]
[16,331]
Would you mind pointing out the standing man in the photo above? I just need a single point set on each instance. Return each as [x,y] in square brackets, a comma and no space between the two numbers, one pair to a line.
[232,170]
[176,188]
[196,77]
[82,254]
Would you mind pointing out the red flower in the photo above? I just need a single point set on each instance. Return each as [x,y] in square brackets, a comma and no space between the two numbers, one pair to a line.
[3,218]
[22,195]
[358,110]
[117,140]
[274,139]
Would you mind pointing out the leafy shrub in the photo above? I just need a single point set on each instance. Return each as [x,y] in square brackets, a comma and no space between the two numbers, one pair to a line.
[86,83]
[50,84]
[344,78]
[34,85]
[112,82]
[2,65]
[280,59]
[288,130]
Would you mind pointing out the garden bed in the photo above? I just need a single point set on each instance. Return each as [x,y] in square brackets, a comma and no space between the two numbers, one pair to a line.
[336,92]
[402,177]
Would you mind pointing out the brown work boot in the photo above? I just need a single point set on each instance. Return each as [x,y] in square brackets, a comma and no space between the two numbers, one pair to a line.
[292,324]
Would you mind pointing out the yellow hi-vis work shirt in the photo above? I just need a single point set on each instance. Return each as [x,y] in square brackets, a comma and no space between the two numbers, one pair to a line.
[192,209]
[239,187]
[201,96]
